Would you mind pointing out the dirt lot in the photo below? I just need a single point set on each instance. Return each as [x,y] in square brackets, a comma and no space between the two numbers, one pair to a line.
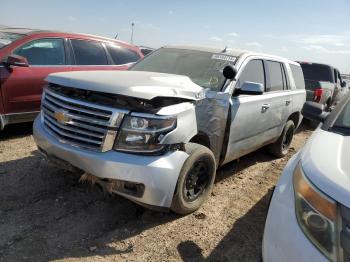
[46,214]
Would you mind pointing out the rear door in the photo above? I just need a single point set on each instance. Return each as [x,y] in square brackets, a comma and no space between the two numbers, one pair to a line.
[22,86]
[281,100]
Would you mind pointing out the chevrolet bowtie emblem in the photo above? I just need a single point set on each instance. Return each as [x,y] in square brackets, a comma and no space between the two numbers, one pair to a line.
[62,116]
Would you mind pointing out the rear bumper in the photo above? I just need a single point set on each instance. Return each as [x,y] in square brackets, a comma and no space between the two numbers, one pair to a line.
[158,174]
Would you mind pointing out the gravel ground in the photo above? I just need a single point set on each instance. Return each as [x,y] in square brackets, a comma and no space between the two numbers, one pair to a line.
[46,214]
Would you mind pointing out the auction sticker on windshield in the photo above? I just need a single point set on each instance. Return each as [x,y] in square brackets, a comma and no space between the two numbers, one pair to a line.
[224,57]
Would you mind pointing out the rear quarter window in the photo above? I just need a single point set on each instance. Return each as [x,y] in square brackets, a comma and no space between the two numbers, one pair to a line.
[298,76]
[121,55]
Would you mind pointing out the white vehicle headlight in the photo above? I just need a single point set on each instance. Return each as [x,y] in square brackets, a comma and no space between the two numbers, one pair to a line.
[316,214]
[142,134]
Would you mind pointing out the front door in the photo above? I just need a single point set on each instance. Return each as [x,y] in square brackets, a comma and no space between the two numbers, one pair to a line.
[22,86]
[250,114]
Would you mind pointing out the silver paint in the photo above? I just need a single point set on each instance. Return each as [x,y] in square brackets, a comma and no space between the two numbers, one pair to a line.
[146,85]
[255,120]
[159,174]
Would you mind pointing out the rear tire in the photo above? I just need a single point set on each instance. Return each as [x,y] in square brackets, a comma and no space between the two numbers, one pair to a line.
[281,147]
[195,181]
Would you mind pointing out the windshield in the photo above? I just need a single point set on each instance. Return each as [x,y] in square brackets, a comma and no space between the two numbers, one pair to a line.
[317,72]
[203,68]
[342,124]
[7,38]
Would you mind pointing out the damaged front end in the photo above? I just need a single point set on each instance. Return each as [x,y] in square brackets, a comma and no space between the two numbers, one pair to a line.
[160,112]
[114,186]
[129,141]
[155,126]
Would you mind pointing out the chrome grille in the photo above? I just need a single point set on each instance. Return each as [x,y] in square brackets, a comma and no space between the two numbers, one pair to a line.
[78,123]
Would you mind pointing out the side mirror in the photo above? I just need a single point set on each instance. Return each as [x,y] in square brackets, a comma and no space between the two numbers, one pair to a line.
[343,84]
[314,111]
[16,60]
[251,88]
[229,72]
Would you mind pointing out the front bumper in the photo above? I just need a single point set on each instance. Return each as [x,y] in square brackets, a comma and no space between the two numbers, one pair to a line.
[283,239]
[158,174]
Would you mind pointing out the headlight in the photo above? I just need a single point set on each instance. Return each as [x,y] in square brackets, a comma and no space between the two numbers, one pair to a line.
[316,214]
[142,134]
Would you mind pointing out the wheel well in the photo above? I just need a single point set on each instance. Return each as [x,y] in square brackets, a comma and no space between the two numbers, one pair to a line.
[295,118]
[202,139]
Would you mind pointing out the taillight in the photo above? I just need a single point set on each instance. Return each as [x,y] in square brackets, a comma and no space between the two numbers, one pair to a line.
[317,94]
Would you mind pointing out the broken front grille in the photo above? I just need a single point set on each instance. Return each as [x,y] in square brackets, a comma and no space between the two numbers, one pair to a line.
[78,123]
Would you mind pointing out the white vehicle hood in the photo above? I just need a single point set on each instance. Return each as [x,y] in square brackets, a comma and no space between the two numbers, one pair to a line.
[326,162]
[139,84]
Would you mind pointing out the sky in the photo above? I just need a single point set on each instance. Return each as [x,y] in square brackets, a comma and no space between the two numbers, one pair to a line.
[303,30]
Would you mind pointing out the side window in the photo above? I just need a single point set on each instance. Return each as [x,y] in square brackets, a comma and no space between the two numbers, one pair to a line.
[121,55]
[335,75]
[88,52]
[274,70]
[285,78]
[43,52]
[298,76]
[339,80]
[252,72]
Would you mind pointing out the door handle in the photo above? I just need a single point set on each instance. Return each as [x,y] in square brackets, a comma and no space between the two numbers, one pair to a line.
[288,102]
[265,106]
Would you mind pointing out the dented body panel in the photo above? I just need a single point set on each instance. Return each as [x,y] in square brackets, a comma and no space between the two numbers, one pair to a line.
[158,174]
[146,85]
[212,113]
[186,123]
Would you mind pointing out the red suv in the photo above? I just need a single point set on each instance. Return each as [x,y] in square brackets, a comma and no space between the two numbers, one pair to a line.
[27,56]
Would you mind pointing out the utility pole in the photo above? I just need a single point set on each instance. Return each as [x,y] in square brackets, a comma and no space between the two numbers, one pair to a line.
[132,32]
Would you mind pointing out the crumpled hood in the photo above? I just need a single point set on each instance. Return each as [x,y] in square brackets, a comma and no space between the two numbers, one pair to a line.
[326,162]
[139,84]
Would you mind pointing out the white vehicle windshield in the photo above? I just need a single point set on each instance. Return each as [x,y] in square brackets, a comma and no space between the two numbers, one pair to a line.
[7,38]
[203,68]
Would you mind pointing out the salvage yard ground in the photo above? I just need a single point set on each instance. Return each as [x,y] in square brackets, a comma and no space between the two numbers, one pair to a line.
[46,214]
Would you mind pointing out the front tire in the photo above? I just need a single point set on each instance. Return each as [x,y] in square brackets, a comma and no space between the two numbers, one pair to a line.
[281,147]
[196,179]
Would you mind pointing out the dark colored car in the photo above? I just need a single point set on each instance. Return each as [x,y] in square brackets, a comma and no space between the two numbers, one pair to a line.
[27,56]
[323,84]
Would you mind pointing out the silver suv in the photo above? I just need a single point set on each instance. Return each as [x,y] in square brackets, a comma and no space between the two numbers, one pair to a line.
[157,133]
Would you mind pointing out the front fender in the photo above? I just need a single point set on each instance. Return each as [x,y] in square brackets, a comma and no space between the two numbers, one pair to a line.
[186,123]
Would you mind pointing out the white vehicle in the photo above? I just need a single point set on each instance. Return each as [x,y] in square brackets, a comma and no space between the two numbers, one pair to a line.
[309,214]
[156,133]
